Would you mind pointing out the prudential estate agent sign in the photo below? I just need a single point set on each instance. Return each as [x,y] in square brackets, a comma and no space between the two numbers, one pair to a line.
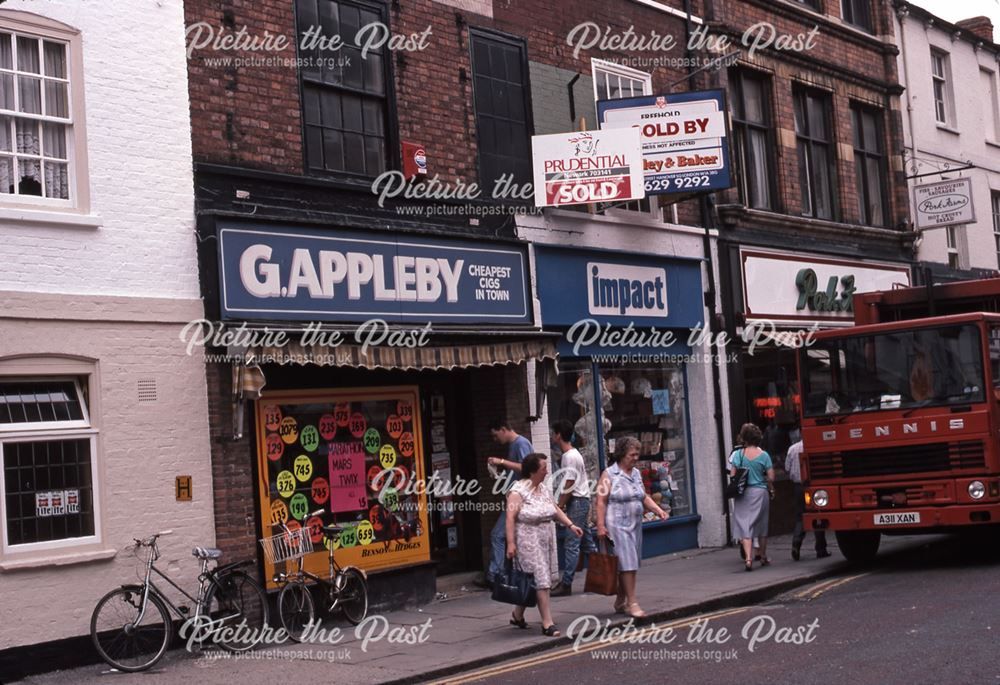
[684,138]
[313,275]
[588,166]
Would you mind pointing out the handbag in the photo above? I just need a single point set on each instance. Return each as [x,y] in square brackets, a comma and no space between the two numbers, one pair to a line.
[602,572]
[738,483]
[514,586]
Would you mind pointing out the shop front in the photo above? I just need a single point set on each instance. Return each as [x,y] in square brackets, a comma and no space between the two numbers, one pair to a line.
[374,405]
[624,322]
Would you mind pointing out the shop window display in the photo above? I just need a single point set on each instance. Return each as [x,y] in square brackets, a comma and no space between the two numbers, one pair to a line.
[773,397]
[574,401]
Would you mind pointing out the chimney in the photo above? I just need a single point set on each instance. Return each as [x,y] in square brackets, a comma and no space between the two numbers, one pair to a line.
[981,27]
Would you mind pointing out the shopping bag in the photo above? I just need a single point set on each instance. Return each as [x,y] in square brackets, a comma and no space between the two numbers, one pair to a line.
[602,572]
[514,586]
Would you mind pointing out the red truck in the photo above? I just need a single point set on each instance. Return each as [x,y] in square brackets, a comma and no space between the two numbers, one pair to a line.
[901,416]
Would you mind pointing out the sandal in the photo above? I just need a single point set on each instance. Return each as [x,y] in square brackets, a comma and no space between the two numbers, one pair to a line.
[620,608]
[551,631]
[749,566]
[519,622]
[765,562]
[639,613]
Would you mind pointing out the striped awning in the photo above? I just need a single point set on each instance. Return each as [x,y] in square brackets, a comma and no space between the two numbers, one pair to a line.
[249,379]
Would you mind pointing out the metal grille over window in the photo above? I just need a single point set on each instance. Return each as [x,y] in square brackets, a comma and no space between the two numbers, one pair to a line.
[39,401]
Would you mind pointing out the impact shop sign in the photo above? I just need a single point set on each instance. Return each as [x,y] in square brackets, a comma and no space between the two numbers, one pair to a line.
[684,138]
[948,203]
[288,274]
[587,166]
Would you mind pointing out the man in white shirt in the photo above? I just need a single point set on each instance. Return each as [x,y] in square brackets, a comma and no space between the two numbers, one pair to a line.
[793,466]
[572,488]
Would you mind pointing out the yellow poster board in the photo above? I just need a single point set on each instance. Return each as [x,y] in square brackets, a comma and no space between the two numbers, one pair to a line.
[358,454]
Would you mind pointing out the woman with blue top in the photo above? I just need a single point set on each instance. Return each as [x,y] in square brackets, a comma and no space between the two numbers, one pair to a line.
[751,509]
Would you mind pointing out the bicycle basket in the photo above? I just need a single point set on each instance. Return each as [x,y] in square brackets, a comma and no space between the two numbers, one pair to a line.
[286,546]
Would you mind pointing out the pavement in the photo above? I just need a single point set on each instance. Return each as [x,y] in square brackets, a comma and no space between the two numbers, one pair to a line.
[467,630]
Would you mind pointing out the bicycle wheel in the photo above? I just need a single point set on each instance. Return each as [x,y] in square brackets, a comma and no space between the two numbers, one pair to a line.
[353,596]
[296,608]
[237,606]
[125,640]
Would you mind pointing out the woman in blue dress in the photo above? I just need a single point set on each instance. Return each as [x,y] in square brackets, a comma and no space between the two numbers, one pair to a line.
[621,501]
[752,508]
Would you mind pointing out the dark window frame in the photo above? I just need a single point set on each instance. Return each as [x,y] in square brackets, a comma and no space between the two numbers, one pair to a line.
[391,139]
[816,5]
[479,33]
[858,13]
[800,97]
[864,202]
[740,139]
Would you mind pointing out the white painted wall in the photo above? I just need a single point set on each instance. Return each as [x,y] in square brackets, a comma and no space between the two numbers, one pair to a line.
[970,137]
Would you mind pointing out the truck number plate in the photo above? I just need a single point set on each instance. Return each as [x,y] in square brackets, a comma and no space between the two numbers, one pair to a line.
[894,519]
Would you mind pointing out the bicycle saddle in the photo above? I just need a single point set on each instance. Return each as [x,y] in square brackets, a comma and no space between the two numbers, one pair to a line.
[206,552]
[332,530]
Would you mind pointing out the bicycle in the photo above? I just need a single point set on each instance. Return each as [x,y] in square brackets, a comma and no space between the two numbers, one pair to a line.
[346,587]
[131,626]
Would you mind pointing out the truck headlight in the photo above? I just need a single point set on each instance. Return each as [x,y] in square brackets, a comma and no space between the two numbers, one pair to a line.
[821,498]
[976,489]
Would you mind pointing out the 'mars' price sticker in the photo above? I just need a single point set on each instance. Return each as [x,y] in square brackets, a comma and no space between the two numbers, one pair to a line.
[372,440]
[342,414]
[279,512]
[285,483]
[303,468]
[406,444]
[357,424]
[272,417]
[299,506]
[310,438]
[275,447]
[404,408]
[328,427]
[320,490]
[387,456]
[366,533]
[394,426]
[289,430]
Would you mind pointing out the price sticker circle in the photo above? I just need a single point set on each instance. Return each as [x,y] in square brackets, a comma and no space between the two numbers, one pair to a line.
[394,426]
[303,468]
[389,499]
[342,414]
[358,424]
[404,408]
[373,479]
[309,438]
[289,430]
[285,483]
[320,491]
[406,444]
[372,440]
[315,526]
[387,456]
[299,506]
[274,446]
[279,512]
[327,427]
[329,542]
[348,537]
[272,417]
[402,476]
[375,517]
[366,533]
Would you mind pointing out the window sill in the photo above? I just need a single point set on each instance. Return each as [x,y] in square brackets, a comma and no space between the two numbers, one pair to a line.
[948,129]
[55,558]
[994,143]
[49,218]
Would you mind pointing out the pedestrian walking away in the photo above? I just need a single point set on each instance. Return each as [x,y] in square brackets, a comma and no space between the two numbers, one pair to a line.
[518,447]
[621,501]
[531,536]
[751,509]
[572,488]
[793,467]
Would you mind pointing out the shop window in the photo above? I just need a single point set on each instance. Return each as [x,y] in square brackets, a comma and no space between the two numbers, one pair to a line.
[772,392]
[649,404]
[499,71]
[48,449]
[344,95]
[574,400]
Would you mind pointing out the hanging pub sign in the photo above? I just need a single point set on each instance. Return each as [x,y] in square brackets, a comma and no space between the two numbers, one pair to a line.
[948,203]
[587,166]
[685,144]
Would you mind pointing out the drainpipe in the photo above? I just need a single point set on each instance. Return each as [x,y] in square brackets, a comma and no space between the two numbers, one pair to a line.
[706,205]
[902,13]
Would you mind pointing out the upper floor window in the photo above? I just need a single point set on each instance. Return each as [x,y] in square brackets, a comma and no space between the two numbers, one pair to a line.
[752,129]
[953,247]
[42,142]
[995,202]
[858,13]
[500,87]
[941,80]
[814,4]
[344,96]
[869,165]
[991,112]
[815,144]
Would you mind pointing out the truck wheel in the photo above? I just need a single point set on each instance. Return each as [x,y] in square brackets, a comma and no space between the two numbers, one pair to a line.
[858,546]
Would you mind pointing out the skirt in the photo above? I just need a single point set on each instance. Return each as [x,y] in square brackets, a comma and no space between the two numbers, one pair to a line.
[750,513]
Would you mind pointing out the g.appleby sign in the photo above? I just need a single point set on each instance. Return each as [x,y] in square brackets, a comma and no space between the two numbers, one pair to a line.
[587,166]
[316,275]
[684,138]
